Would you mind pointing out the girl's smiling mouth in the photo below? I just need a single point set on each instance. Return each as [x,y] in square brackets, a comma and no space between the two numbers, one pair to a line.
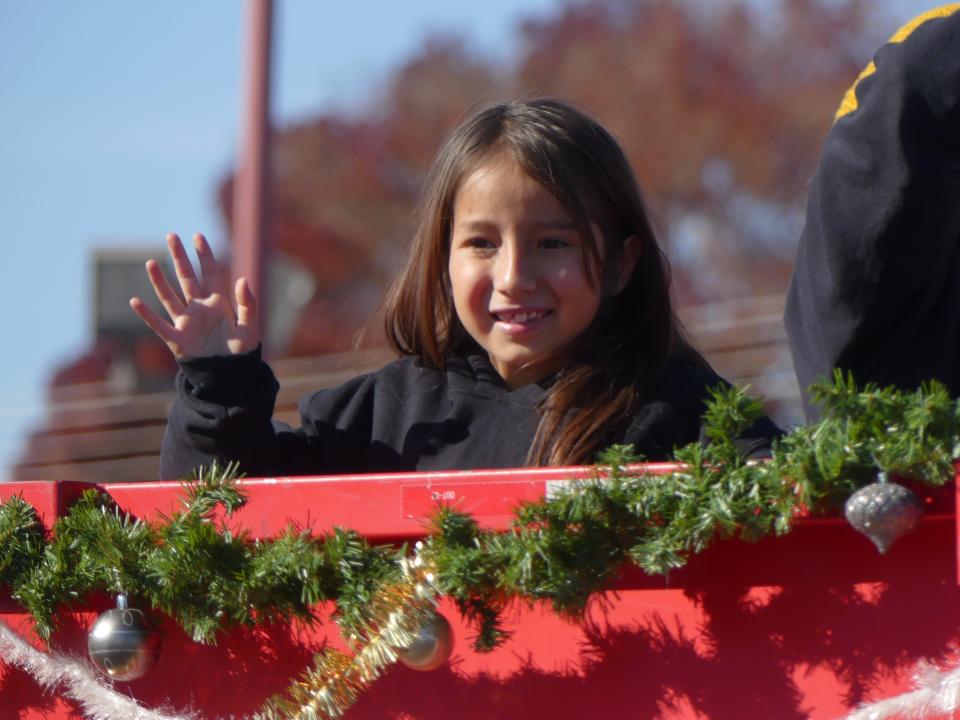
[519,320]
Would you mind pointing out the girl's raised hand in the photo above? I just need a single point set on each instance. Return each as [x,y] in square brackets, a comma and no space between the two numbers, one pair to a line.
[205,322]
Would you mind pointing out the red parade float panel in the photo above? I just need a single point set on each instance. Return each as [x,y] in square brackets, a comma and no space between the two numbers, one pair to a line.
[804,626]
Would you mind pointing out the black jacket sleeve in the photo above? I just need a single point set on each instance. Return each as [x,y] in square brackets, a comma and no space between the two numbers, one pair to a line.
[876,288]
[223,411]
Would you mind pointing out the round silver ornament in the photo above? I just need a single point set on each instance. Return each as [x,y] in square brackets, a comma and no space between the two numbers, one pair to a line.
[884,511]
[123,643]
[433,646]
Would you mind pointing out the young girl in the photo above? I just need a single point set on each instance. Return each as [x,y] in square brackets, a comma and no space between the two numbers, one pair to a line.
[532,317]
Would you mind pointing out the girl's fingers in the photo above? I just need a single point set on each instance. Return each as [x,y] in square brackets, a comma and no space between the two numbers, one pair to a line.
[188,280]
[165,293]
[214,278]
[164,330]
[246,304]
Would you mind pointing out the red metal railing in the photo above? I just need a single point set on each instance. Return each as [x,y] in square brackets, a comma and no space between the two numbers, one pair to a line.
[804,626]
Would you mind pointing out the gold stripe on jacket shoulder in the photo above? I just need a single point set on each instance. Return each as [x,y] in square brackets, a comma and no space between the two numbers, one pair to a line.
[849,103]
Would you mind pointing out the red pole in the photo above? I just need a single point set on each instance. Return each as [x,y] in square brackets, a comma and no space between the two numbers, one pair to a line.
[250,187]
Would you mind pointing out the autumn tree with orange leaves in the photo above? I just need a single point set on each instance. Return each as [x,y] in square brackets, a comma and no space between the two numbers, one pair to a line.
[720,109]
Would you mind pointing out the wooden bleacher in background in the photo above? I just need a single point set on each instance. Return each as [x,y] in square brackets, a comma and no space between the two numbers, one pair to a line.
[93,434]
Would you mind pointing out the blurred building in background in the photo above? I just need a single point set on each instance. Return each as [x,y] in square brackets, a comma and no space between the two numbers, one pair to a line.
[105,408]
[721,110]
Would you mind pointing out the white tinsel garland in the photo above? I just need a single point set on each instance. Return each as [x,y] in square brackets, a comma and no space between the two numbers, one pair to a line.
[76,680]
[937,694]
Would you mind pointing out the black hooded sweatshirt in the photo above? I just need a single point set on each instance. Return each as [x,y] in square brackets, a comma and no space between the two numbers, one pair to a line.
[403,417]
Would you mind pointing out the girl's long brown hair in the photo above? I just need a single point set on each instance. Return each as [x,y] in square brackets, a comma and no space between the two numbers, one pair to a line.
[635,333]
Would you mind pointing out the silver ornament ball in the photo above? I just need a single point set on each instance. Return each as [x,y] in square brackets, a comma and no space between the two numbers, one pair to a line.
[433,646]
[884,512]
[123,644]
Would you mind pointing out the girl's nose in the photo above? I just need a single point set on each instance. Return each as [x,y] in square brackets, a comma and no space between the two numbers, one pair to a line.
[514,271]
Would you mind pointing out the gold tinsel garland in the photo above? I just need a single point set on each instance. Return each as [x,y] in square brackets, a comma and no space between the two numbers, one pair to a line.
[395,616]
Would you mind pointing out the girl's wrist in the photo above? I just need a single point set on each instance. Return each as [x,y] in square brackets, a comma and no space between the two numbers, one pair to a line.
[222,378]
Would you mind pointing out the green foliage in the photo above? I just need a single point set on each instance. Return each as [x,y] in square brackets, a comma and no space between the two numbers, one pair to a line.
[470,567]
[189,566]
[358,570]
[562,550]
[21,539]
[212,486]
[910,434]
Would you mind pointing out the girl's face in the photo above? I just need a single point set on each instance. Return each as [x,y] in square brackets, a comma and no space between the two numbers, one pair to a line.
[517,273]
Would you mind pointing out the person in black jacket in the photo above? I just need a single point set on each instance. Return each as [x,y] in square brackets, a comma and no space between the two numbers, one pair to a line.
[876,289]
[532,318]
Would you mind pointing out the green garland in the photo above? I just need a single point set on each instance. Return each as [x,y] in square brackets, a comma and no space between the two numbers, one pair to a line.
[560,550]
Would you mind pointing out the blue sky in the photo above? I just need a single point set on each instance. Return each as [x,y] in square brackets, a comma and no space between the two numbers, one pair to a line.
[118,119]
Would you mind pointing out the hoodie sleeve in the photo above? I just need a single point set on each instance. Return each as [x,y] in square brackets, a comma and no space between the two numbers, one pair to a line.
[876,287]
[223,411]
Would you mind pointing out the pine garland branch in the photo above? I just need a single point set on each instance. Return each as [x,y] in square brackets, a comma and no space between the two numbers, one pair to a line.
[21,540]
[213,485]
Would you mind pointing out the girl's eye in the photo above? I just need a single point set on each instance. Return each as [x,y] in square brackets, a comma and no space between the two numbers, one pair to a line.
[554,243]
[478,243]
